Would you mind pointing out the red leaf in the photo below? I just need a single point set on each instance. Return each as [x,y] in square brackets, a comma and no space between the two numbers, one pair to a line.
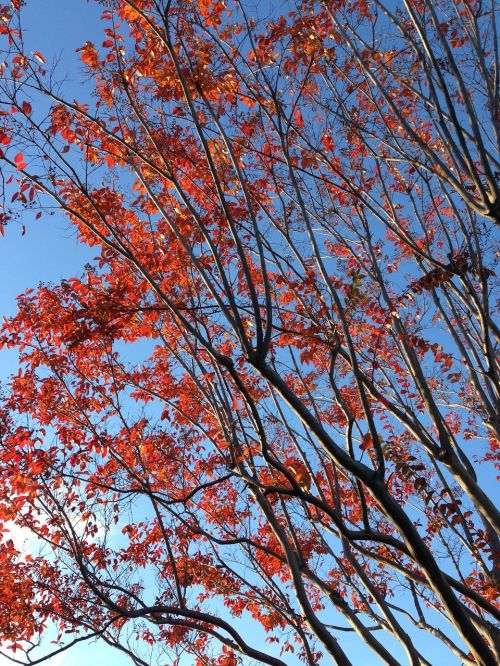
[39,57]
[19,161]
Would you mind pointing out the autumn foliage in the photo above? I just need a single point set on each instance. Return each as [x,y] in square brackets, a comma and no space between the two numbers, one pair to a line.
[273,398]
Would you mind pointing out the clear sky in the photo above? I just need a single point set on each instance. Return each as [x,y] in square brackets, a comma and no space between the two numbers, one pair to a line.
[49,250]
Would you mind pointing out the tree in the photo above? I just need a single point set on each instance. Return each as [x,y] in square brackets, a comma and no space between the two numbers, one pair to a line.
[294,218]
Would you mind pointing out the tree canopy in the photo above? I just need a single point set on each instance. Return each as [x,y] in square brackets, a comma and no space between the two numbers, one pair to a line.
[273,398]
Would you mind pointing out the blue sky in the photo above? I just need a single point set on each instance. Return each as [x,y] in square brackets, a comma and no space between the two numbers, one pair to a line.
[49,249]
